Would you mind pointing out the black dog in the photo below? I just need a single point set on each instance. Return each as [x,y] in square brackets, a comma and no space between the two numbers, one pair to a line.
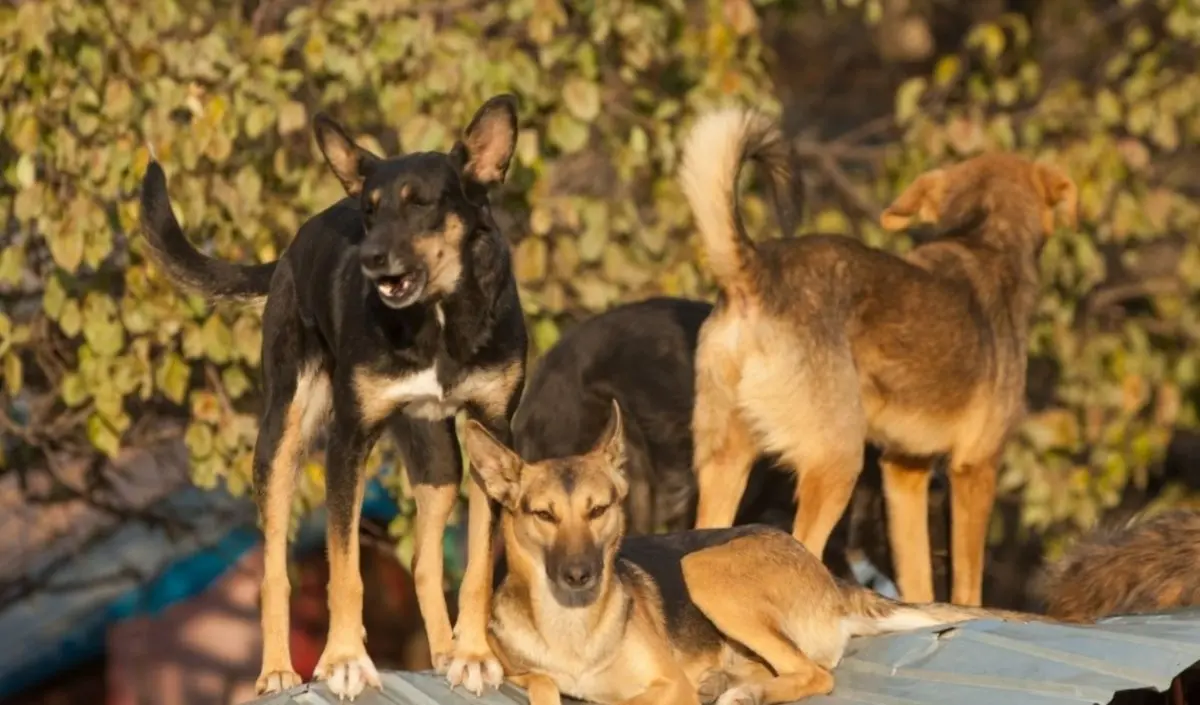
[643,355]
[394,307]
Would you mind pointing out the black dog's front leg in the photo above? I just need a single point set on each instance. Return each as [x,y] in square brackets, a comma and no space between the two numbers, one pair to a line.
[433,462]
[344,664]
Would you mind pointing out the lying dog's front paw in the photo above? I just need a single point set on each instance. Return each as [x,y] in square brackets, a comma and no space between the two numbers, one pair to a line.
[741,695]
[347,677]
[276,681]
[474,669]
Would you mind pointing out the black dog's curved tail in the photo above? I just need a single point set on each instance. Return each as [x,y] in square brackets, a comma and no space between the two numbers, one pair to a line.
[184,264]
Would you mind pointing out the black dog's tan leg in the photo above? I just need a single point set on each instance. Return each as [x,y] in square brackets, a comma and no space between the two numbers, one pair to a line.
[972,494]
[474,665]
[666,692]
[906,492]
[276,458]
[724,447]
[344,664]
[434,504]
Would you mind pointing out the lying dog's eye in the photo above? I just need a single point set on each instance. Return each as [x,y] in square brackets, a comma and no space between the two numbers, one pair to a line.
[598,511]
[544,516]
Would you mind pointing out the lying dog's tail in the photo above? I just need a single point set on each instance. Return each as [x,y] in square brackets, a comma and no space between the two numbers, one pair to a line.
[183,263]
[713,154]
[868,613]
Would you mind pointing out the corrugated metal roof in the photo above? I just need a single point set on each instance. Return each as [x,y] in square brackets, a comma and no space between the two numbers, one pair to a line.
[982,663]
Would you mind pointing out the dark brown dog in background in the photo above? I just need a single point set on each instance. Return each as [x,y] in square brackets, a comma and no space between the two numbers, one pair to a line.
[820,343]
[1147,565]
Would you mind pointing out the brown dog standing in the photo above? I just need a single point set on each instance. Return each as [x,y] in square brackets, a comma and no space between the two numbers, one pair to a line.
[820,343]
[662,619]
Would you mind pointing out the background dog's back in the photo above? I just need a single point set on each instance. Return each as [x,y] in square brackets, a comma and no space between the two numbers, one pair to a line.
[643,355]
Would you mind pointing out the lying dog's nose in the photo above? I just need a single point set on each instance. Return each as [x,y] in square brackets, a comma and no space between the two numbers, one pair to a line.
[578,575]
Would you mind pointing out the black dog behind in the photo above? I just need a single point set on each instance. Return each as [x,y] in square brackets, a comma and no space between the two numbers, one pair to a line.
[394,307]
[643,355]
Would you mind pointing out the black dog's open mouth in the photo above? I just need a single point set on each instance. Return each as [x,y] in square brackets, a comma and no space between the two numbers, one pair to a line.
[398,290]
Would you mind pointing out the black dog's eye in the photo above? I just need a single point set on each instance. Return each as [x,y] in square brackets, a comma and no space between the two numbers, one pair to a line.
[544,515]
[598,511]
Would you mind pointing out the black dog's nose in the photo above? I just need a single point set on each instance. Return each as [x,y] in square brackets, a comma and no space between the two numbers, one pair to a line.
[578,575]
[373,259]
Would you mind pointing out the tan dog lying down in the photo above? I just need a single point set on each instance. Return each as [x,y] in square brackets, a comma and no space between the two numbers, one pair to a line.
[743,615]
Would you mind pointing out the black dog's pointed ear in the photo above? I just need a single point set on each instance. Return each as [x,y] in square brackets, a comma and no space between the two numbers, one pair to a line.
[349,162]
[490,140]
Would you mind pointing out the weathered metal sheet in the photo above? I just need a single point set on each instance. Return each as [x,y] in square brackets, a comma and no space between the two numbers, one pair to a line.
[982,663]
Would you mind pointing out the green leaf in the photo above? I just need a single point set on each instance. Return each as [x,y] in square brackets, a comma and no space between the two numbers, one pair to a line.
[247,339]
[581,98]
[199,439]
[102,436]
[292,117]
[13,374]
[172,377]
[217,340]
[908,98]
[54,298]
[72,390]
[235,381]
[70,320]
[567,133]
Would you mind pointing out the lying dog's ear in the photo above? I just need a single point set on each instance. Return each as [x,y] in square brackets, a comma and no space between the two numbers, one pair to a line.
[610,449]
[921,201]
[349,162]
[489,141]
[498,468]
[1059,190]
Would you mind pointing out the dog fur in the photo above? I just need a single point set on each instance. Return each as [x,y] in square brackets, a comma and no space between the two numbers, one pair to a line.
[1148,565]
[820,343]
[394,308]
[641,355]
[664,619]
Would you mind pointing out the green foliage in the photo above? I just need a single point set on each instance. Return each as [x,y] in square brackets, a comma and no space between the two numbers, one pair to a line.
[92,89]
[95,343]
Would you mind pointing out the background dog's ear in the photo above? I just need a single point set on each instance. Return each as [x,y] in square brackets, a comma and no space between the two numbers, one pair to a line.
[610,449]
[921,201]
[349,162]
[1060,190]
[490,140]
[498,467]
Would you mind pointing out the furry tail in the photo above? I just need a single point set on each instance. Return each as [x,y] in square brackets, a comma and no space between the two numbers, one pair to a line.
[184,264]
[713,154]
[868,613]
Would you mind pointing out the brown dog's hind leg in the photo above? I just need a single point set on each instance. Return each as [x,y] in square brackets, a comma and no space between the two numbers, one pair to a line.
[906,492]
[724,449]
[972,494]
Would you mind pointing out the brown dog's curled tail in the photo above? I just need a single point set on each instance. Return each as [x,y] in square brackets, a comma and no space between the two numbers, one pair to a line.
[868,613]
[713,154]
[183,263]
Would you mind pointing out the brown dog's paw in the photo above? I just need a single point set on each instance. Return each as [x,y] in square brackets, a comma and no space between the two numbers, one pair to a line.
[276,682]
[741,695]
[474,669]
[347,676]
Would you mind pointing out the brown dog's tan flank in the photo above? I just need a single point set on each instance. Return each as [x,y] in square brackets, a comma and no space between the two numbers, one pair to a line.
[821,344]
